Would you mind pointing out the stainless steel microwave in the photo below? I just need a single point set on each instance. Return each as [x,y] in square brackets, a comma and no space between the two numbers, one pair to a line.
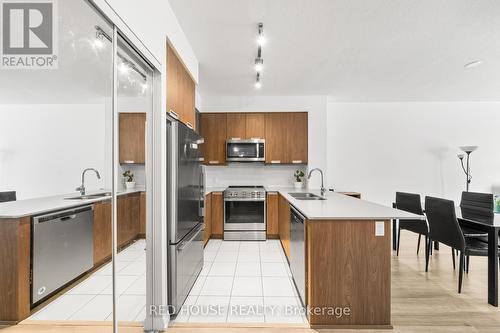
[251,150]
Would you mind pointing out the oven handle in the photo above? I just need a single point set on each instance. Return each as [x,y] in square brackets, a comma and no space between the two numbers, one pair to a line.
[249,199]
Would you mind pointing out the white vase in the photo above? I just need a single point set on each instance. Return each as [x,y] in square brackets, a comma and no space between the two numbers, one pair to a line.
[130,185]
[297,185]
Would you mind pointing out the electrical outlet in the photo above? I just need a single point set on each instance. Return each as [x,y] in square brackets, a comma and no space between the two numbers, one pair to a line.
[379,228]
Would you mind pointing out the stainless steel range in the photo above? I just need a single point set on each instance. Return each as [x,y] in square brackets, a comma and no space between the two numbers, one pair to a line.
[245,213]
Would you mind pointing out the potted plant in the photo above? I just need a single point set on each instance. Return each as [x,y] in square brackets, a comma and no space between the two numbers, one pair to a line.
[497,203]
[129,179]
[298,179]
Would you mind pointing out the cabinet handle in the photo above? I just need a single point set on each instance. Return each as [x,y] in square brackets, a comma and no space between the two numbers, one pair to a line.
[254,138]
[213,162]
[297,162]
[173,114]
[128,161]
[272,193]
[235,138]
[275,161]
[188,124]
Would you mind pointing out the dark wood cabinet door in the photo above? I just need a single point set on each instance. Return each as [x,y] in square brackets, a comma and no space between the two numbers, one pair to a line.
[132,131]
[213,130]
[272,204]
[208,219]
[255,126]
[128,217]
[102,231]
[142,214]
[172,84]
[217,214]
[275,125]
[235,126]
[296,137]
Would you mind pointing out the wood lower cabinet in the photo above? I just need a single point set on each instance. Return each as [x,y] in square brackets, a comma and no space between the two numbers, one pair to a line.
[217,215]
[102,231]
[272,215]
[132,137]
[207,233]
[180,89]
[128,216]
[284,224]
[213,130]
[142,217]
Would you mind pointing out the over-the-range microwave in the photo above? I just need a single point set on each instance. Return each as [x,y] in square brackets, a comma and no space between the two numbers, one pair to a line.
[245,150]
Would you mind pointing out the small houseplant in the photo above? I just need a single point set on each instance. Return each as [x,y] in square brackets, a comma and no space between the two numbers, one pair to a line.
[497,203]
[129,179]
[298,178]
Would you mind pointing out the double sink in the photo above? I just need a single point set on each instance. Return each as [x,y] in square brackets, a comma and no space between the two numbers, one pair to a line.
[306,196]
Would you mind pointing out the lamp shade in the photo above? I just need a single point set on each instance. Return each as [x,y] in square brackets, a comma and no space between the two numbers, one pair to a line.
[468,149]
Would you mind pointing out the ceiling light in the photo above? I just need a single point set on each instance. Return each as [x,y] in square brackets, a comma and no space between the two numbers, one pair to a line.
[258,85]
[473,64]
[98,43]
[261,39]
[123,68]
[259,65]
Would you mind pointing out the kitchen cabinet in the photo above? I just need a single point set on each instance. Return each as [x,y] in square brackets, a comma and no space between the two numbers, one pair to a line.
[207,233]
[284,224]
[213,130]
[296,137]
[255,125]
[235,126]
[272,204]
[217,216]
[128,213]
[276,136]
[180,89]
[102,232]
[132,141]
[142,217]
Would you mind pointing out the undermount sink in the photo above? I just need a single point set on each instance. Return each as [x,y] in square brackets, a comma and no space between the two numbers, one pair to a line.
[90,196]
[306,196]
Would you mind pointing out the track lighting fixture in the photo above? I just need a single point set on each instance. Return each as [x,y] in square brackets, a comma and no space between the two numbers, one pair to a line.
[258,84]
[259,65]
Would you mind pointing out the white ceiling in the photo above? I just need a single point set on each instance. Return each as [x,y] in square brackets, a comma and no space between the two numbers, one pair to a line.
[352,50]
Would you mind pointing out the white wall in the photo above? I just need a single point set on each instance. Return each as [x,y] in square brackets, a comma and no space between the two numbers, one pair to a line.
[379,148]
[45,147]
[314,105]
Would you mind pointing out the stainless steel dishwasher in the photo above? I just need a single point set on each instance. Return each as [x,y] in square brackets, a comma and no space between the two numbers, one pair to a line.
[297,251]
[62,249]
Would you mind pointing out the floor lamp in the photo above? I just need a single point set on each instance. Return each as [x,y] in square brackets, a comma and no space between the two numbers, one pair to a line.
[467,150]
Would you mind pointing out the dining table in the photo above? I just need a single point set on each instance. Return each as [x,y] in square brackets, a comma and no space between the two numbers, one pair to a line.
[489,223]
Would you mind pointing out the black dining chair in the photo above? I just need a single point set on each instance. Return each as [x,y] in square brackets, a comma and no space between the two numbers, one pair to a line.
[444,227]
[481,204]
[410,202]
[7,196]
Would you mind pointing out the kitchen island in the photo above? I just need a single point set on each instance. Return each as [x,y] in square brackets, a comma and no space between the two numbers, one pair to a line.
[346,258]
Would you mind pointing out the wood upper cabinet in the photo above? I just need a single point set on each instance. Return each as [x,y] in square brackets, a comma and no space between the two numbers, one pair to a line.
[213,130]
[217,214]
[132,131]
[297,137]
[235,126]
[180,89]
[272,204]
[207,219]
[284,224]
[276,128]
[102,231]
[255,125]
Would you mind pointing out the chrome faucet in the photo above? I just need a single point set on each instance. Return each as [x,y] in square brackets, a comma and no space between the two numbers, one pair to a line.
[323,189]
[81,188]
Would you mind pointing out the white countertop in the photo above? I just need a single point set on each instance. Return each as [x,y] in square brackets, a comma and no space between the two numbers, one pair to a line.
[338,206]
[211,189]
[35,206]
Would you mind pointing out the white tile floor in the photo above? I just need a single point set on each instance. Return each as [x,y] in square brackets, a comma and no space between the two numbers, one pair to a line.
[243,282]
[91,299]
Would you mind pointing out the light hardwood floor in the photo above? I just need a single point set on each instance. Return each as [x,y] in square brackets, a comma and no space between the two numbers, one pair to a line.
[421,302]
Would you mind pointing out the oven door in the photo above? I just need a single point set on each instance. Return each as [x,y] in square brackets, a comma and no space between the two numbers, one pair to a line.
[245,151]
[245,214]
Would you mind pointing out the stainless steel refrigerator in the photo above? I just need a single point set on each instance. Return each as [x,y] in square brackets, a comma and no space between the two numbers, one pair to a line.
[185,207]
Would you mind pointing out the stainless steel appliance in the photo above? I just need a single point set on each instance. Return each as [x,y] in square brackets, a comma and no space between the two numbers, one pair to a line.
[185,194]
[297,251]
[252,150]
[245,213]
[62,249]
